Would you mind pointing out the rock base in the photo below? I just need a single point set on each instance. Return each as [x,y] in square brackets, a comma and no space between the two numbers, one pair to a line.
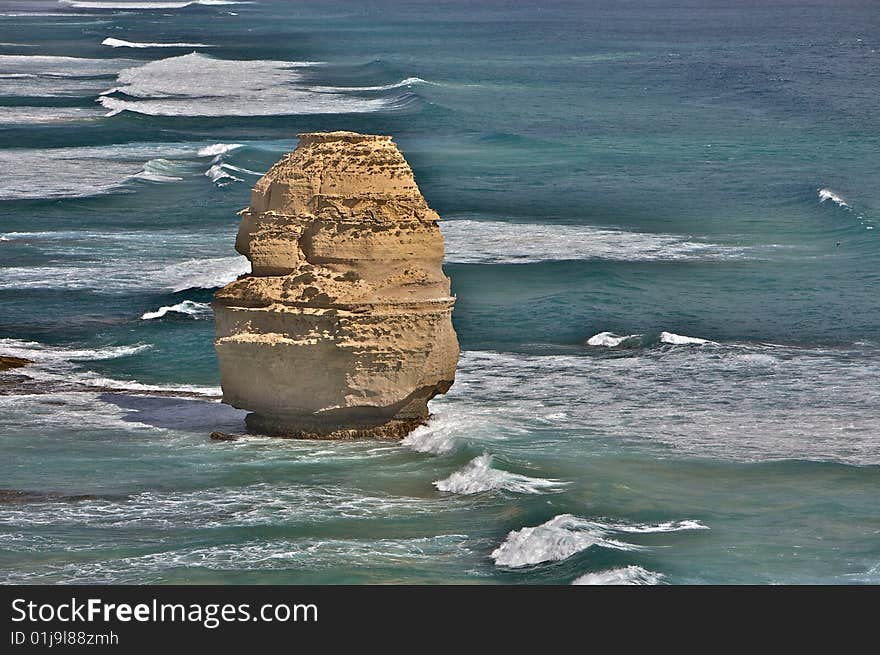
[391,430]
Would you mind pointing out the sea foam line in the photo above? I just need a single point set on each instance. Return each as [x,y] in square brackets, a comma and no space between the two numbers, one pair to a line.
[499,242]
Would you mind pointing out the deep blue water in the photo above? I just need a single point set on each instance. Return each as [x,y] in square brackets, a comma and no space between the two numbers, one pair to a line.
[664,169]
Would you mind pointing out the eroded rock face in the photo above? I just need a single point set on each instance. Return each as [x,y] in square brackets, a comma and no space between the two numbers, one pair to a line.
[344,328]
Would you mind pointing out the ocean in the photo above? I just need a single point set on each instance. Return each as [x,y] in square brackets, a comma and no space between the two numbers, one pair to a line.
[662,225]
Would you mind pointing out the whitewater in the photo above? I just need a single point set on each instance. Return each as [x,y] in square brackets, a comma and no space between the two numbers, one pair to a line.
[664,257]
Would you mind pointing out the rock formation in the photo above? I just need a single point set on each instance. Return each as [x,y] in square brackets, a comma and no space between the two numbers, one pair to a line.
[343,329]
[7,362]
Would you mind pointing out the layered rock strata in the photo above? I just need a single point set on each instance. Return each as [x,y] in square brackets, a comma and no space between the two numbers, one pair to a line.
[343,329]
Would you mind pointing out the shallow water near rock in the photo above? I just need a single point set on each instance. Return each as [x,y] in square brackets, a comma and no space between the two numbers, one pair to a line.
[660,228]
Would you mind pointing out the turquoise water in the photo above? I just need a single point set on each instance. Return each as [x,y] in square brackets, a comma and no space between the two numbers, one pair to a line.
[699,178]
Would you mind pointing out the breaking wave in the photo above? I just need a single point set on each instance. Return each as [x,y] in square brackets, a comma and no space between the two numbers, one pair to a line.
[217,149]
[199,85]
[828,194]
[681,340]
[439,436]
[160,170]
[97,4]
[409,81]
[627,575]
[95,170]
[205,273]
[56,76]
[45,354]
[478,476]
[60,366]
[693,401]
[187,308]
[120,43]
[108,277]
[86,171]
[566,535]
[611,340]
[497,242]
[45,115]
[220,176]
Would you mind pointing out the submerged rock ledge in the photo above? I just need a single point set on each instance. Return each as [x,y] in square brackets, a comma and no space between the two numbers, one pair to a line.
[343,329]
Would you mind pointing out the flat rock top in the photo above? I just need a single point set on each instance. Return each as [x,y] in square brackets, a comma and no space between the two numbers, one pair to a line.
[340,135]
[337,164]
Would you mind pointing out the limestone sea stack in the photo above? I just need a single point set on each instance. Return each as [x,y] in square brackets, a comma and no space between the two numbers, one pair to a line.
[343,329]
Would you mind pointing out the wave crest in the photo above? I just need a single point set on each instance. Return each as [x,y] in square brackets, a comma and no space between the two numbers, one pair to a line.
[479,476]
[612,340]
[828,194]
[187,308]
[199,85]
[627,575]
[44,354]
[566,535]
[121,43]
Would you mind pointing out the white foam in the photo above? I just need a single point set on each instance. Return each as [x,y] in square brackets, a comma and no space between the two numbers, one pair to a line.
[199,85]
[829,194]
[110,276]
[497,242]
[120,43]
[557,539]
[611,340]
[92,379]
[694,401]
[433,553]
[220,176]
[262,503]
[61,364]
[204,273]
[441,435]
[649,528]
[680,340]
[239,169]
[85,171]
[565,535]
[45,354]
[626,575]
[478,476]
[161,170]
[51,76]
[46,115]
[133,6]
[217,149]
[187,307]
[409,81]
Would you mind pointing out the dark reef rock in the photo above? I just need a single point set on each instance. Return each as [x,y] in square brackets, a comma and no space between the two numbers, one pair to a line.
[7,362]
